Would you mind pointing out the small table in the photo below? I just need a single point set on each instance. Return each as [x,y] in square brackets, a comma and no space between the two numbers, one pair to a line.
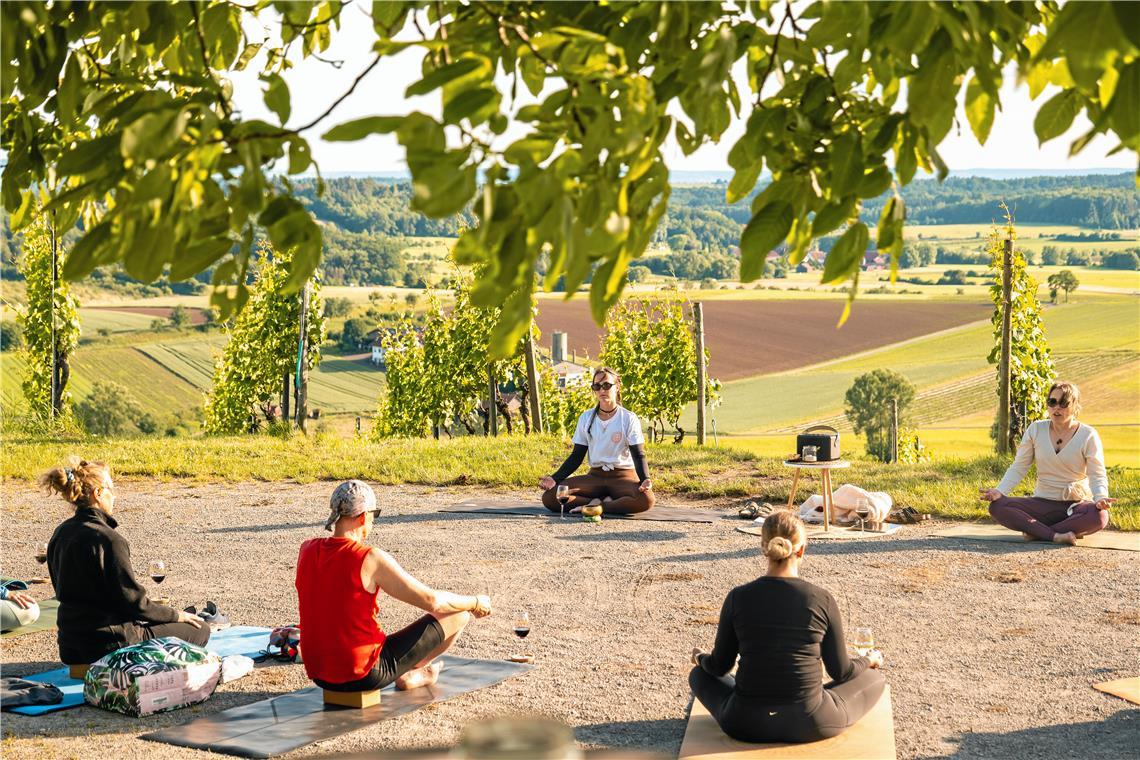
[825,469]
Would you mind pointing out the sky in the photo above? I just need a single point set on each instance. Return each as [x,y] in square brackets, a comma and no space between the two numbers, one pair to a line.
[315,85]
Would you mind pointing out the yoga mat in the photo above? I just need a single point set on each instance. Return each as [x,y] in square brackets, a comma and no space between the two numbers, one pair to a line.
[517,508]
[1105,539]
[238,639]
[282,724]
[816,533]
[49,609]
[872,738]
[1125,688]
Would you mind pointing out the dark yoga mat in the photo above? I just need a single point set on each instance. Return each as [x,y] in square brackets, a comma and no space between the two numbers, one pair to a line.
[522,509]
[282,724]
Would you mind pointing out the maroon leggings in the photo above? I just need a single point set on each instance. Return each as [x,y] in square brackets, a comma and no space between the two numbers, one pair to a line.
[619,485]
[1044,518]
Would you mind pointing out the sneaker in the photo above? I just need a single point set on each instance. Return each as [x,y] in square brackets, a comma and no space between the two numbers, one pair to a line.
[212,615]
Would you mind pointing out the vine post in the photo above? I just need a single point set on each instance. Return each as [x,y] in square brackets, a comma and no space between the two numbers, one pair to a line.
[532,382]
[492,399]
[302,381]
[55,408]
[1006,329]
[699,328]
[894,431]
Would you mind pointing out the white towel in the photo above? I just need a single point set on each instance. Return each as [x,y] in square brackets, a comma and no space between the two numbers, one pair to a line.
[843,502]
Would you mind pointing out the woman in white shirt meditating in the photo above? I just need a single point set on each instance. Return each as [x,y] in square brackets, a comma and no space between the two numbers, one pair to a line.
[611,435]
[1071,498]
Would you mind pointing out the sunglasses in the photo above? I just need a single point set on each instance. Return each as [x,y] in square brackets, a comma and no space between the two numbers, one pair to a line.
[1061,403]
[602,386]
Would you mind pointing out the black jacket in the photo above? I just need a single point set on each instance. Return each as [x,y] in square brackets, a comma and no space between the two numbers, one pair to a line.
[90,567]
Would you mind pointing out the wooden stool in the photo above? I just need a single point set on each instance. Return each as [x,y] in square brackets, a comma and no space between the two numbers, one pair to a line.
[357,699]
[78,671]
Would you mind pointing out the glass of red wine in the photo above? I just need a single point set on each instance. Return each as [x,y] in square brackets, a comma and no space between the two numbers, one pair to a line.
[522,624]
[563,495]
[157,570]
[41,553]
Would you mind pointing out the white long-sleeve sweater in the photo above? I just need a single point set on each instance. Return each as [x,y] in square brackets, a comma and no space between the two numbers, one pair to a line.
[1059,476]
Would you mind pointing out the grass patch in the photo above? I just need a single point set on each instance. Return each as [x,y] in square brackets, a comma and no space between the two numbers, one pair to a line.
[947,487]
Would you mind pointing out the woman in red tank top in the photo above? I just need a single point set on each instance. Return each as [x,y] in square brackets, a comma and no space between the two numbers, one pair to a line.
[338,581]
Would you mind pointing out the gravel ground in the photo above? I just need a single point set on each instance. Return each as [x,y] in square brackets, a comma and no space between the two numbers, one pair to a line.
[991,648]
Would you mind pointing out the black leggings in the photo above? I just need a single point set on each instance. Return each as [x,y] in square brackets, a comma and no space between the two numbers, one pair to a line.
[751,720]
[402,651]
[137,632]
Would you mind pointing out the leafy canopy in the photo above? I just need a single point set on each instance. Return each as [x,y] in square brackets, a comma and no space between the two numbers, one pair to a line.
[122,115]
[867,405]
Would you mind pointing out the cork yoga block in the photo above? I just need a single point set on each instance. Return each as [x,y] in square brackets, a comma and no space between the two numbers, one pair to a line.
[357,699]
[78,672]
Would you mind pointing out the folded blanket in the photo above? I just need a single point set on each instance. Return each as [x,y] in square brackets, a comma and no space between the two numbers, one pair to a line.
[844,501]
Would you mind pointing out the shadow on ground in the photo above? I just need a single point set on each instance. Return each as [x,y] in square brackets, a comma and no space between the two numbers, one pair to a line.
[1116,737]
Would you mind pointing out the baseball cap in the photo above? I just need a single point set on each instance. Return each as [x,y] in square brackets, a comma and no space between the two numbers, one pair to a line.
[351,498]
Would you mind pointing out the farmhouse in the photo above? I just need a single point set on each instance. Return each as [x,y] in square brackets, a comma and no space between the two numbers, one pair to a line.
[569,373]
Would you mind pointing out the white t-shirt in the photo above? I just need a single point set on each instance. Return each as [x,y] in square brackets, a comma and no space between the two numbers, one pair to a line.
[609,440]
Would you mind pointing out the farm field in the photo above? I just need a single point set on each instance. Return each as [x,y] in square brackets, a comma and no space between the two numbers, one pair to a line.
[1029,236]
[747,337]
[772,401]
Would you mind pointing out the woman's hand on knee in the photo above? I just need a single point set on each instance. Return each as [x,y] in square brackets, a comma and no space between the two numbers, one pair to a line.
[646,485]
[20,599]
[1105,503]
[482,606]
[546,483]
[696,654]
[186,617]
[875,659]
[990,494]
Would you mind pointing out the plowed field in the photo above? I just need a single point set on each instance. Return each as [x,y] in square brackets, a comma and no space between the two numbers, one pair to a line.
[748,338]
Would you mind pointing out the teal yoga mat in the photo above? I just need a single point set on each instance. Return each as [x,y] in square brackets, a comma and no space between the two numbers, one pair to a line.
[239,639]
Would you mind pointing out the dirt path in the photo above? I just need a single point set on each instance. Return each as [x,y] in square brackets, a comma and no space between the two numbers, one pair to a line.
[978,667]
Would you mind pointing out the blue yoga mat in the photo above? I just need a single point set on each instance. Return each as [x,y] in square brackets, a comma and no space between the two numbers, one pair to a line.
[238,639]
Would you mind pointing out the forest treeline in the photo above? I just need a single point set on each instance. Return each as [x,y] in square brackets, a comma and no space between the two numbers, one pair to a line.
[366,219]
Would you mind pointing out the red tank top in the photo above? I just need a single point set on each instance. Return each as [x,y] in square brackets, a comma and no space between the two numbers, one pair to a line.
[340,636]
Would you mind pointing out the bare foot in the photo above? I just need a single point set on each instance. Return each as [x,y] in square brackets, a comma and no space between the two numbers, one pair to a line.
[1029,536]
[425,676]
[1065,538]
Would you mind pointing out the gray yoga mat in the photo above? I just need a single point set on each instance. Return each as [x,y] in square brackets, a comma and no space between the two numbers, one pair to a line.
[49,609]
[523,509]
[285,723]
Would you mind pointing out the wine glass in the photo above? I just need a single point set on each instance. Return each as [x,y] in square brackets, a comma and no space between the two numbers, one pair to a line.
[157,570]
[864,640]
[563,495]
[41,553]
[863,510]
[521,625]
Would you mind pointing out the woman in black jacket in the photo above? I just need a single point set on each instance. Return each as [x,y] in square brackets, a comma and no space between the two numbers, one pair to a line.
[781,627]
[101,605]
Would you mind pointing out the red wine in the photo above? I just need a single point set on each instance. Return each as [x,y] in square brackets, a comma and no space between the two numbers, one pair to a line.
[521,632]
[564,500]
[158,578]
[41,558]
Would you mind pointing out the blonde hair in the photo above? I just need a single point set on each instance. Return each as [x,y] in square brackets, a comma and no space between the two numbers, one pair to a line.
[782,535]
[1069,392]
[76,481]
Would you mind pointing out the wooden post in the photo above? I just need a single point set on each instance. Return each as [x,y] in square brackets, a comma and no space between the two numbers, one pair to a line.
[301,383]
[894,430]
[699,327]
[55,389]
[285,397]
[358,424]
[532,385]
[1003,362]
[492,407]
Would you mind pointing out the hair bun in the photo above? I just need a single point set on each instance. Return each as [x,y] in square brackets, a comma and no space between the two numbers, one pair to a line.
[778,548]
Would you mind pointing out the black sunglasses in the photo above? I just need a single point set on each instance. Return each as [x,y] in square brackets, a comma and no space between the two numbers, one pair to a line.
[1061,403]
[602,386]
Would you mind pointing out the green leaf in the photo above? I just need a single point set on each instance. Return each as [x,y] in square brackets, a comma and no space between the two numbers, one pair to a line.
[198,257]
[247,55]
[70,87]
[766,230]
[87,155]
[358,129]
[277,97]
[875,182]
[300,156]
[442,76]
[846,164]
[1125,106]
[743,181]
[979,109]
[476,104]
[387,16]
[87,253]
[152,135]
[846,257]
[832,215]
[1056,116]
[442,189]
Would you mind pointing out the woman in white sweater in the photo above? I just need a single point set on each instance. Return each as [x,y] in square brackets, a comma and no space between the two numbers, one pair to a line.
[1071,498]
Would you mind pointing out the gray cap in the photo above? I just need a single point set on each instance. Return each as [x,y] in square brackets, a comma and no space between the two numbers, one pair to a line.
[351,498]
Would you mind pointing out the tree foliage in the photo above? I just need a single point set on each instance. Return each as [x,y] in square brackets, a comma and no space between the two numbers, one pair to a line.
[50,323]
[124,113]
[867,405]
[650,344]
[1030,362]
[110,409]
[1065,281]
[263,347]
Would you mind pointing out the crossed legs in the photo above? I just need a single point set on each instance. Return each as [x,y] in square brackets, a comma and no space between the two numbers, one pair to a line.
[1047,519]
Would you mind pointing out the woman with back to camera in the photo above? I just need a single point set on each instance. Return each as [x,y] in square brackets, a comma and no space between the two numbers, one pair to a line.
[101,605]
[1071,498]
[781,626]
[611,435]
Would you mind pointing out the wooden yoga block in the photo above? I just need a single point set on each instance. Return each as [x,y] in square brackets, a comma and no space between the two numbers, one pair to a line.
[872,738]
[357,699]
[78,671]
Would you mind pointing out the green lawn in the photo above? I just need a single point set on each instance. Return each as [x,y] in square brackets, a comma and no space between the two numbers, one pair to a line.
[945,487]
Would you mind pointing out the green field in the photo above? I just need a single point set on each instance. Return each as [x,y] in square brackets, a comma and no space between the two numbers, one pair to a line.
[91,321]
[769,402]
